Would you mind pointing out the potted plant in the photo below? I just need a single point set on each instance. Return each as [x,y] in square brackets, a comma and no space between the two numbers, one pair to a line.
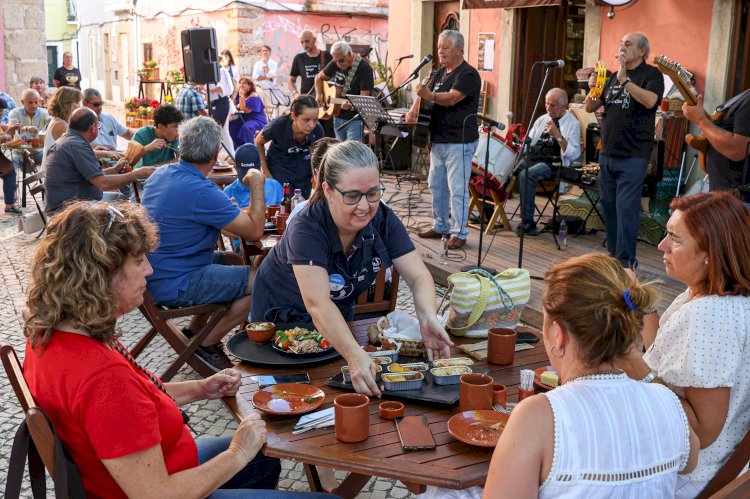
[152,70]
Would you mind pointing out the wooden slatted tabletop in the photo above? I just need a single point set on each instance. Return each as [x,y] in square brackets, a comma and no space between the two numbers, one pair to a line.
[452,464]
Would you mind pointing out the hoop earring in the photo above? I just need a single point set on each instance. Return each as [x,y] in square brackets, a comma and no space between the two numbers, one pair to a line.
[562,352]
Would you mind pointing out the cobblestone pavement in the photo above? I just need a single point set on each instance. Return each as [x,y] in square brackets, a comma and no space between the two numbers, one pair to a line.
[208,418]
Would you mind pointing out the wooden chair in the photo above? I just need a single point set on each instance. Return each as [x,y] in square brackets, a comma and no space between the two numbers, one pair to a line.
[42,435]
[729,472]
[161,323]
[739,488]
[381,302]
[496,199]
[35,184]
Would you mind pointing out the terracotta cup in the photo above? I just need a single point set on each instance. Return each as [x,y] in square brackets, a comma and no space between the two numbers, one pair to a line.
[352,417]
[281,219]
[499,394]
[271,211]
[501,345]
[522,394]
[475,392]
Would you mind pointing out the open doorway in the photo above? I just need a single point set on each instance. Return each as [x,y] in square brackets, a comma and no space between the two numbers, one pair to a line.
[546,33]
[739,62]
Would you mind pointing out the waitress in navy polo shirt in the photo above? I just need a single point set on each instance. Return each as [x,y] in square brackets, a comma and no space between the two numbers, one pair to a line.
[331,252]
[291,137]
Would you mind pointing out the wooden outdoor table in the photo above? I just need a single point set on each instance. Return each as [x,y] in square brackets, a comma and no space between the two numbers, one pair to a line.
[452,464]
[222,178]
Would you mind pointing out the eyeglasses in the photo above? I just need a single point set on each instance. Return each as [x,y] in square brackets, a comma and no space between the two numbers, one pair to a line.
[97,104]
[113,214]
[354,197]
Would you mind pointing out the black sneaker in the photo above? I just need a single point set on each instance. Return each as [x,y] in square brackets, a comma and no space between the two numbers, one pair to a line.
[214,357]
[13,209]
[187,332]
[530,229]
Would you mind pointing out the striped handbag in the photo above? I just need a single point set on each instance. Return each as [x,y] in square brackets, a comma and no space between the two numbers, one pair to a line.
[480,301]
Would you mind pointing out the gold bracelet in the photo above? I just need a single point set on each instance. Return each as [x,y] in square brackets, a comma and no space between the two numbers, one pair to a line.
[434,97]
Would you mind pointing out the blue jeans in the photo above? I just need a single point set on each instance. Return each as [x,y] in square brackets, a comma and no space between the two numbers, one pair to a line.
[214,283]
[537,172]
[450,169]
[9,186]
[620,188]
[256,480]
[352,131]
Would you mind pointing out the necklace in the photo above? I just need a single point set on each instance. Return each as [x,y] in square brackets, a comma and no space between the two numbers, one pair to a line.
[596,375]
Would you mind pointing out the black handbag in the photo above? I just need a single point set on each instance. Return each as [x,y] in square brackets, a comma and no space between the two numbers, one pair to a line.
[66,478]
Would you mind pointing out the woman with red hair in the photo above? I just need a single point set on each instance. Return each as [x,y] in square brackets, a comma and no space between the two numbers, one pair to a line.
[700,347]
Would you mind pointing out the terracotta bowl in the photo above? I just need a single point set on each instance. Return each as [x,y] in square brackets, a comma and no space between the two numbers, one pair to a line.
[391,410]
[260,335]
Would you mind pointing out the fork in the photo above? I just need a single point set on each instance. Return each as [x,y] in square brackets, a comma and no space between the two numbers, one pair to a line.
[500,408]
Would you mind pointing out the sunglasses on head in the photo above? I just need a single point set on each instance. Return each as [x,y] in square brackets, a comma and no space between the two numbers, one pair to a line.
[113,214]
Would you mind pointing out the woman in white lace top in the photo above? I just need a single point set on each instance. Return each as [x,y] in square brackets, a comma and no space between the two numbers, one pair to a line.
[701,345]
[600,434]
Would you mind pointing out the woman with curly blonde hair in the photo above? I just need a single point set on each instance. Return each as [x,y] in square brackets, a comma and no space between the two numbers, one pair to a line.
[121,425]
[64,101]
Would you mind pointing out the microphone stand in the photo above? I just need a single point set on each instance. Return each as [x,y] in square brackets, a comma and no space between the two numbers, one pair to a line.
[526,145]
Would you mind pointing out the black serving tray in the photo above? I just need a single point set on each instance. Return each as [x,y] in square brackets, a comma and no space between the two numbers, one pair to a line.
[240,346]
[430,392]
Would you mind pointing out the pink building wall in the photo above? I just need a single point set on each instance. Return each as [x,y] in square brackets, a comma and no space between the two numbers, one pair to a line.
[2,50]
[399,38]
[680,30]
[486,21]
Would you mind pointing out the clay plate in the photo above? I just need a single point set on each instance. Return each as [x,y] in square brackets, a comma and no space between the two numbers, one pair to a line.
[538,380]
[474,427]
[288,399]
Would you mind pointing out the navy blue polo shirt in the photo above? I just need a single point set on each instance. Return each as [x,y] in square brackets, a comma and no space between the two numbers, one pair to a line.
[312,238]
[287,159]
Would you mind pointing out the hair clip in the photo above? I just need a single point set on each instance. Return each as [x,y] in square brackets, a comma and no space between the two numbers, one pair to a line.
[626,296]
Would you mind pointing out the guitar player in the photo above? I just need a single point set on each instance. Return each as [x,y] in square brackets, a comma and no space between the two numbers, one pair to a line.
[727,140]
[354,74]
[453,134]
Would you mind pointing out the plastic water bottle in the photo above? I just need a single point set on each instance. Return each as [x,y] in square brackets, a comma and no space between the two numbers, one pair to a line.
[444,250]
[562,235]
[297,198]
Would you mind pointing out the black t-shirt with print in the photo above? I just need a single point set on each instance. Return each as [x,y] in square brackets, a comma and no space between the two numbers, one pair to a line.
[68,77]
[447,123]
[307,68]
[363,80]
[627,125]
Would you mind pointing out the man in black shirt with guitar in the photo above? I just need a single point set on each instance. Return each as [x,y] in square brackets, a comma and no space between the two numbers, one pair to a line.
[453,92]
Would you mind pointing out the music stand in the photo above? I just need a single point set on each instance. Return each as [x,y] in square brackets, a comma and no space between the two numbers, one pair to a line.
[378,120]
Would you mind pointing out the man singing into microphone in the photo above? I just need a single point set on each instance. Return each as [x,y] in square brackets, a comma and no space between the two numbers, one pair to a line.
[454,89]
[630,99]
[555,137]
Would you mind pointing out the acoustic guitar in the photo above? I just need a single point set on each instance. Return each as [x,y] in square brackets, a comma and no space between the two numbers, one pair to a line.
[681,78]
[332,101]
[421,135]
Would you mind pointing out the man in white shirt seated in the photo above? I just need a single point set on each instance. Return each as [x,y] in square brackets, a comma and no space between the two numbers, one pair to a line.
[110,127]
[554,136]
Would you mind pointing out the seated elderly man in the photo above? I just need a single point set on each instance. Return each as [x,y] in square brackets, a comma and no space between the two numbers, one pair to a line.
[110,128]
[31,120]
[191,211]
[160,140]
[554,136]
[72,170]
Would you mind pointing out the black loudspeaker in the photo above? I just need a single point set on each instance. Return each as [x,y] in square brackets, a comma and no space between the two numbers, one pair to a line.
[199,55]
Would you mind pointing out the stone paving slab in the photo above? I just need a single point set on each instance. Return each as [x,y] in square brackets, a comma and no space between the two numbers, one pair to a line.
[210,418]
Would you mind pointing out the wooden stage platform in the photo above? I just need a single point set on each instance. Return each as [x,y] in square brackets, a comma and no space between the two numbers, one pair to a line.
[411,201]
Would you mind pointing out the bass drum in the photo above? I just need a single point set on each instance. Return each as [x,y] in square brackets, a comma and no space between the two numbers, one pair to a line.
[502,157]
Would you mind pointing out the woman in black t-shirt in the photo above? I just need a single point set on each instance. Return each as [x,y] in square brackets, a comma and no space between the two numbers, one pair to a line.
[291,136]
[331,252]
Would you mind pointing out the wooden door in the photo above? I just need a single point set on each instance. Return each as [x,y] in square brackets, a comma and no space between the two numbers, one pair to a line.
[447,16]
[739,62]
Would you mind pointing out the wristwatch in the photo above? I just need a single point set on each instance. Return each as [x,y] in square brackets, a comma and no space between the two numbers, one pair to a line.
[559,139]
[627,80]
[649,377]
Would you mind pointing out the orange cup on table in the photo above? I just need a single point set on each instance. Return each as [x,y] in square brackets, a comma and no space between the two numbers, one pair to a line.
[271,211]
[499,394]
[281,219]
[352,417]
[475,392]
[501,345]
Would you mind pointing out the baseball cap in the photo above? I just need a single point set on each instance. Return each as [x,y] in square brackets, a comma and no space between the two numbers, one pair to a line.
[245,158]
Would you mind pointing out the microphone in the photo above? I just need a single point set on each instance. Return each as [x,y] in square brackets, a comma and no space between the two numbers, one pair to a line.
[410,56]
[422,64]
[553,64]
[491,122]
